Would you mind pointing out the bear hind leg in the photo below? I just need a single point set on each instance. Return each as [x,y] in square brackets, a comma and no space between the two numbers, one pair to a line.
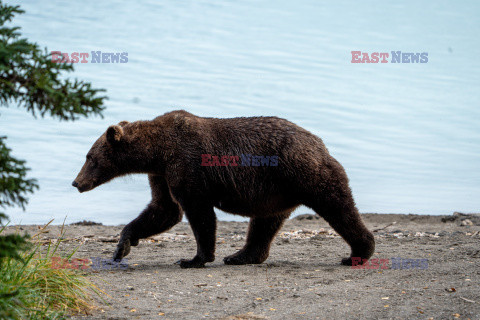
[343,217]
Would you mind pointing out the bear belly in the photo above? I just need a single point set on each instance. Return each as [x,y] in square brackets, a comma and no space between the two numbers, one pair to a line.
[265,208]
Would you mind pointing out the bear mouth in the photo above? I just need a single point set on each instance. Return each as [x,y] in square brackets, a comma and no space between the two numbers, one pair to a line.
[82,189]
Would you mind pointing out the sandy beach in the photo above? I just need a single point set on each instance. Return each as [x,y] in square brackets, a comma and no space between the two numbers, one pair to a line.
[427,267]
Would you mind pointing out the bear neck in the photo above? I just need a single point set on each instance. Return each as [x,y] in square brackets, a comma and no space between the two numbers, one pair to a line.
[148,148]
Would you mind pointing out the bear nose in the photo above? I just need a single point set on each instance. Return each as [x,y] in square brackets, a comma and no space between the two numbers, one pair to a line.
[75,184]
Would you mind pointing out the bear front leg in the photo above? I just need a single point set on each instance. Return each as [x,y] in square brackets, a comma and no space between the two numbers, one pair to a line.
[204,225]
[261,232]
[160,215]
[153,220]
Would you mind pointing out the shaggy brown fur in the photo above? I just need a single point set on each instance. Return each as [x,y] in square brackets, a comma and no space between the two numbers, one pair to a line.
[169,150]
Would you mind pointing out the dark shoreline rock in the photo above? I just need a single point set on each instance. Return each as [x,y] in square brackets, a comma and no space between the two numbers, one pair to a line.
[86,223]
[307,216]
[463,219]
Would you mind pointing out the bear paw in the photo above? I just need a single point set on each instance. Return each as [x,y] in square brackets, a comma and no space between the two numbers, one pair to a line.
[240,258]
[194,263]
[348,261]
[123,249]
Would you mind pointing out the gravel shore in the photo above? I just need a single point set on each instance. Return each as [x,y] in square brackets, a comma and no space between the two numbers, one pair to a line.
[427,267]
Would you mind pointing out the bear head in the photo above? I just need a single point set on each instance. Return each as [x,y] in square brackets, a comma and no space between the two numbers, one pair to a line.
[104,160]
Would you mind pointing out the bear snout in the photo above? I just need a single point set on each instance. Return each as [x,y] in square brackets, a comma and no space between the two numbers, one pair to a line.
[79,188]
[83,186]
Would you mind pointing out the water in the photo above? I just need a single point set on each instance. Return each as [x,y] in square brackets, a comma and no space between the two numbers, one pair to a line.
[407,134]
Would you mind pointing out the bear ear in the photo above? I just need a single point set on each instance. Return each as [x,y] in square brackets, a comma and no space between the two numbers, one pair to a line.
[114,134]
[123,123]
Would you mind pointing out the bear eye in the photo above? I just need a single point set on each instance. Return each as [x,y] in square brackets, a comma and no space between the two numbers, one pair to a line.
[92,161]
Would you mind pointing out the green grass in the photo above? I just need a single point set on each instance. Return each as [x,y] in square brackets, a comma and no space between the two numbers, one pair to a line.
[31,289]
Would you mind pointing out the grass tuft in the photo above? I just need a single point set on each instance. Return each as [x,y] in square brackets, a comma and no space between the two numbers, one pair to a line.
[30,288]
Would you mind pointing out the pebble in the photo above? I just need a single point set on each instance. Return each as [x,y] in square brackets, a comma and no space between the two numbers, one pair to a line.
[308,234]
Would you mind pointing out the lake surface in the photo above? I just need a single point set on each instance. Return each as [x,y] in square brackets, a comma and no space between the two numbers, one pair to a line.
[408,135]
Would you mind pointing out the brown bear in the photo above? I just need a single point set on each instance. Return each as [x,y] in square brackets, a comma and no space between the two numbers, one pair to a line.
[179,151]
